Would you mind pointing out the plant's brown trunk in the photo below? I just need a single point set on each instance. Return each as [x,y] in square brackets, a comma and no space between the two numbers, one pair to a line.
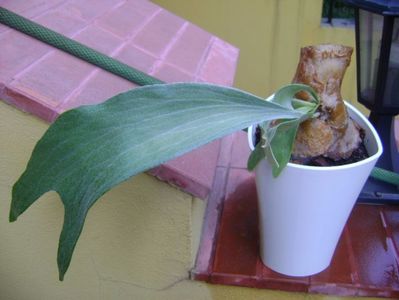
[332,134]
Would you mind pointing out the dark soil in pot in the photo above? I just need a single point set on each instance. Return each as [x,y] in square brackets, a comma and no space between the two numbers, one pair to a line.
[321,161]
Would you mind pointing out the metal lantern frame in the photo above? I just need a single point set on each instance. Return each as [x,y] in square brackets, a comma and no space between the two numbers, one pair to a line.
[382,111]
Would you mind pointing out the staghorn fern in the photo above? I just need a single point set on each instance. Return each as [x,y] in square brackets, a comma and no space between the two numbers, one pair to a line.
[89,150]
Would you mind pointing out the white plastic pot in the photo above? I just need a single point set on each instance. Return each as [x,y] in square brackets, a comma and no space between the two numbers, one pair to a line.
[302,212]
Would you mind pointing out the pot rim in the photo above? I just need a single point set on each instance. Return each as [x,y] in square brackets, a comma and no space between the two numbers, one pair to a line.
[373,157]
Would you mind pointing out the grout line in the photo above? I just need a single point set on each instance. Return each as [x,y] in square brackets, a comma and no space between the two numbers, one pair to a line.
[204,58]
[210,228]
[351,257]
[33,64]
[91,75]
[51,8]
[134,33]
[107,12]
[131,36]
[212,218]
[168,48]
[115,52]
[388,236]
[52,49]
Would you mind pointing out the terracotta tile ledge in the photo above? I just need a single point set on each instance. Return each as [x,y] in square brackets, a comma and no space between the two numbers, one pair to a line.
[136,32]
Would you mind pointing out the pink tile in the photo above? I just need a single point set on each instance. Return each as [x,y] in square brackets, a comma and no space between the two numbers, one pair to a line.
[188,52]
[4,29]
[170,73]
[27,103]
[225,150]
[220,63]
[54,78]
[198,166]
[90,9]
[126,19]
[159,33]
[174,177]
[136,58]
[18,51]
[145,7]
[32,8]
[62,22]
[240,151]
[193,172]
[98,39]
[102,86]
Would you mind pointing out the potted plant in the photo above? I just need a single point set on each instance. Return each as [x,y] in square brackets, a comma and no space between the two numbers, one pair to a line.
[303,212]
[89,150]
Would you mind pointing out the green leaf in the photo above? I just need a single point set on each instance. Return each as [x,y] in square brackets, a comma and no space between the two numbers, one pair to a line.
[278,136]
[89,150]
[286,96]
[255,157]
[282,144]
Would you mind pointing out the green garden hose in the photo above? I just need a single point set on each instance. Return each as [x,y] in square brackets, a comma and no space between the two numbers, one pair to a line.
[386,176]
[74,48]
[112,65]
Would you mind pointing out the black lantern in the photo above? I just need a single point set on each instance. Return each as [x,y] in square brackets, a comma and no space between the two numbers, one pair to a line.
[377,53]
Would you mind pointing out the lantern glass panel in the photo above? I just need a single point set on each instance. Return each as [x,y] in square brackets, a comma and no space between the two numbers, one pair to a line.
[370,33]
[391,94]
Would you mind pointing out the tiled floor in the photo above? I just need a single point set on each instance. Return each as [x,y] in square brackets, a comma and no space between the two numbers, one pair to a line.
[366,261]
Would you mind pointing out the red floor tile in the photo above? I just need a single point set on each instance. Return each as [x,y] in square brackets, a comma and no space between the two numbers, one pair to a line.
[365,262]
[236,251]
[342,269]
[391,220]
[374,256]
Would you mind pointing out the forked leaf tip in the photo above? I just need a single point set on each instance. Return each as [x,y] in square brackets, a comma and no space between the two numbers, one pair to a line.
[61,275]
[12,217]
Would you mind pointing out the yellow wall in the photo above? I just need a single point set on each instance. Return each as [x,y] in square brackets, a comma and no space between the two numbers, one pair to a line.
[269,34]
[139,239]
